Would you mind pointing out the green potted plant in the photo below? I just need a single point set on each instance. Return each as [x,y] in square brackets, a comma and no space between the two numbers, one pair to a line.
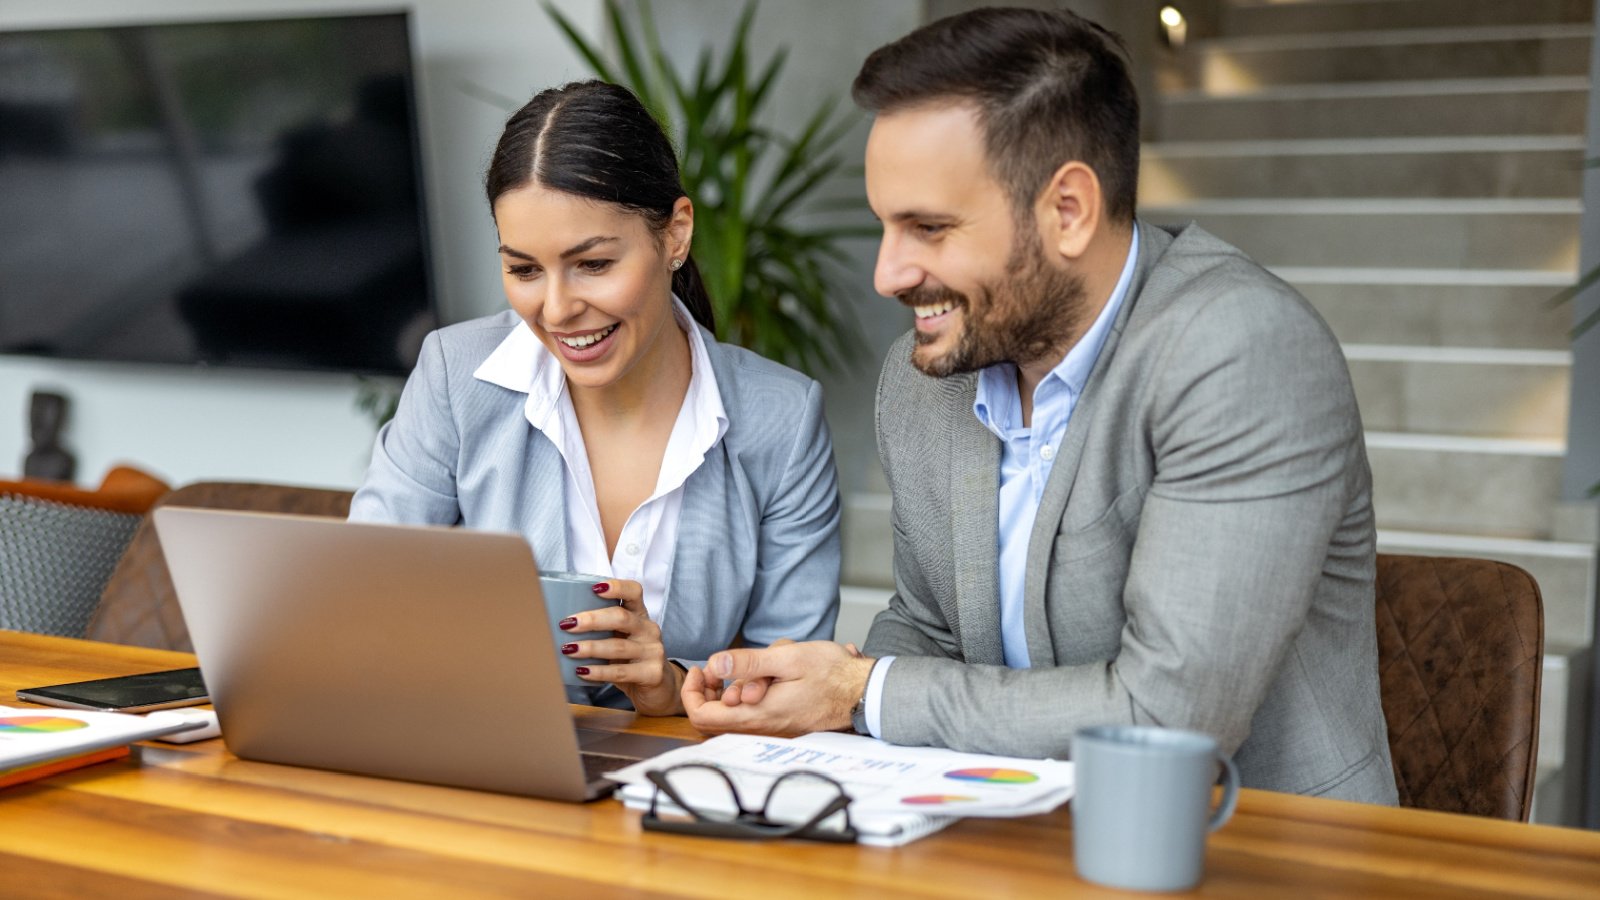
[772,271]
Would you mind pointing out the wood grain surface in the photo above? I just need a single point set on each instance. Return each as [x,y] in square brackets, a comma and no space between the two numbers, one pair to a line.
[195,820]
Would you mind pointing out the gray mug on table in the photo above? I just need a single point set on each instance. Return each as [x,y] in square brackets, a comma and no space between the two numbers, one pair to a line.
[567,594]
[1141,805]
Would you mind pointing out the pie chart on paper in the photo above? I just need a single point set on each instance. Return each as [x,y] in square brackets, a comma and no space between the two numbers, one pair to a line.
[993,776]
[936,799]
[38,724]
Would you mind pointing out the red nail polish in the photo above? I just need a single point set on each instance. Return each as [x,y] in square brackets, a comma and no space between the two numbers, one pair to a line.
[567,624]
[581,670]
[569,649]
[602,587]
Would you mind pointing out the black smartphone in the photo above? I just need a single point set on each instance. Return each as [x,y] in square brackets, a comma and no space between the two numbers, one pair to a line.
[127,693]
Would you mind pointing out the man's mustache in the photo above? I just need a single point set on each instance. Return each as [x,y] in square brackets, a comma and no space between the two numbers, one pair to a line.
[930,296]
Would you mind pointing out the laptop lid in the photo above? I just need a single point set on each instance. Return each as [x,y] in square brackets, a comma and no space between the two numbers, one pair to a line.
[417,653]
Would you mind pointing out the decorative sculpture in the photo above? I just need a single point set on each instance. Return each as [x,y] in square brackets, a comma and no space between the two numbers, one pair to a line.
[47,417]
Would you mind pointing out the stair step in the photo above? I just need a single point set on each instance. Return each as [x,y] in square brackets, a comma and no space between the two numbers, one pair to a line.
[1503,357]
[1461,391]
[1405,167]
[1241,65]
[1543,278]
[1493,487]
[1461,107]
[1465,316]
[1530,234]
[1241,19]
[1565,572]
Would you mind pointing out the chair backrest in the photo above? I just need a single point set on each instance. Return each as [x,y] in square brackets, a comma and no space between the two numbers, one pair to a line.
[1460,658]
[54,561]
[139,605]
[59,543]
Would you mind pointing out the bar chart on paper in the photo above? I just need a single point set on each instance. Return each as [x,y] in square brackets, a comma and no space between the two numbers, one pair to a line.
[790,755]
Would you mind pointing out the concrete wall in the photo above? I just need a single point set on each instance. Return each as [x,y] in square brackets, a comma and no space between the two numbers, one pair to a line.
[188,425]
[1583,421]
[1582,464]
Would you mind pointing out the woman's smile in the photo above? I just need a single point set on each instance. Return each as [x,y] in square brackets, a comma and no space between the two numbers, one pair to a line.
[585,346]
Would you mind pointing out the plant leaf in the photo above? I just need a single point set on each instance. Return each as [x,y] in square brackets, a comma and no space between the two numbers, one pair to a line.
[579,43]
[1565,294]
[1588,322]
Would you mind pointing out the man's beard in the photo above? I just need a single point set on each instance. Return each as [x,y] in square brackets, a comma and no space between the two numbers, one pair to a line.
[1027,316]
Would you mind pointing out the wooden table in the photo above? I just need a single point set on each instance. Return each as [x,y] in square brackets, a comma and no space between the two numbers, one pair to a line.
[196,820]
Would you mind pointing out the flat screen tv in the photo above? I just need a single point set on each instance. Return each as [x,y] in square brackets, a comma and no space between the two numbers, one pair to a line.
[242,193]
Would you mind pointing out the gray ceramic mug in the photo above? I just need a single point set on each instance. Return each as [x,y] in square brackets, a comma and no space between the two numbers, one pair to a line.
[1141,805]
[567,594]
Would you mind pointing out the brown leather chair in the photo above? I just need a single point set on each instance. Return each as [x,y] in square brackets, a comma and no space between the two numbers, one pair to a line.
[1460,657]
[139,605]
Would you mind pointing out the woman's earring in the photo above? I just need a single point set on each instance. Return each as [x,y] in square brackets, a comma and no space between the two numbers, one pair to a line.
[677,264]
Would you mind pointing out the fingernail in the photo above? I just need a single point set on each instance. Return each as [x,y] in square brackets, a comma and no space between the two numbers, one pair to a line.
[569,649]
[721,666]
[581,670]
[602,587]
[567,624]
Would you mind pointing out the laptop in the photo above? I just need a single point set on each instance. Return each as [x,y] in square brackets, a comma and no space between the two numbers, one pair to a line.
[417,653]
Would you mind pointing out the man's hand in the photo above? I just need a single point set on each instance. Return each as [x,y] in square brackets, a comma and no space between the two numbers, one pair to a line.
[809,687]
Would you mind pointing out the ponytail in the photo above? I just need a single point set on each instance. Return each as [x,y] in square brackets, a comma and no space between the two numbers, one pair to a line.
[691,289]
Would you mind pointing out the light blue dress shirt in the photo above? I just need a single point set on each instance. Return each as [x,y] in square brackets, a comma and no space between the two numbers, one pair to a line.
[1027,454]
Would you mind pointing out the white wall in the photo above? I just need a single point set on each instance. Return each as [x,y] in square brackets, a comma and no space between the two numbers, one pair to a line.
[188,425]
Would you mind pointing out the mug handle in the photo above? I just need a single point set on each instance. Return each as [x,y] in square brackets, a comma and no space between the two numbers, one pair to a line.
[1230,794]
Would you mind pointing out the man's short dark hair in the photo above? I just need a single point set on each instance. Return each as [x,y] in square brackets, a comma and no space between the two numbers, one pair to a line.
[1049,87]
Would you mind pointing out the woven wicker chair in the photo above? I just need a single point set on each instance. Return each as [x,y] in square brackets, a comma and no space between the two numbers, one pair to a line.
[59,544]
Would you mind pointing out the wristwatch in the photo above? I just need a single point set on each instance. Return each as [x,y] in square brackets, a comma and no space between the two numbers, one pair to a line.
[858,713]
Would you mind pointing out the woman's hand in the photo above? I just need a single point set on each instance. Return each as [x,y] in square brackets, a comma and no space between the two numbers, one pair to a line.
[636,659]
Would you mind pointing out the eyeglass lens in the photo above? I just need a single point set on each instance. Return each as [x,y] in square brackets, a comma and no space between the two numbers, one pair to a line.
[801,797]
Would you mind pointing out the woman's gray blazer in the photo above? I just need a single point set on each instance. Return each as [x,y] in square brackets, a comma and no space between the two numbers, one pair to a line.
[758,537]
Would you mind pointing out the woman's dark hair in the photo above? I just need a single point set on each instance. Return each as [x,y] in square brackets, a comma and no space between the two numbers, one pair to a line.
[1049,87]
[596,140]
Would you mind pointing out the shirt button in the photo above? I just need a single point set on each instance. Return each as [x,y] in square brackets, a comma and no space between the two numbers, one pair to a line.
[633,549]
[1047,452]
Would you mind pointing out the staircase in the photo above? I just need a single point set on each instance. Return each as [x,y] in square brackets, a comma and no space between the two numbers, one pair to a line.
[1413,167]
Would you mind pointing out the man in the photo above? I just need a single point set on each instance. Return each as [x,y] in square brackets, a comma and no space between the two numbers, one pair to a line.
[1128,472]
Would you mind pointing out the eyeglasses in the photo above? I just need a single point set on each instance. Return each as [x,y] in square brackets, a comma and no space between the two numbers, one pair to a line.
[805,805]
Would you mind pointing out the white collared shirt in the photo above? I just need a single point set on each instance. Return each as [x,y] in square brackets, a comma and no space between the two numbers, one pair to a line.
[645,548]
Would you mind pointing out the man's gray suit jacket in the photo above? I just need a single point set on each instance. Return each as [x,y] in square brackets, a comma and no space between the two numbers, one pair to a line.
[1203,555]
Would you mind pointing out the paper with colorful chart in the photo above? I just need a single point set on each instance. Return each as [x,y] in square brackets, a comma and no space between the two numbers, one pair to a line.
[29,736]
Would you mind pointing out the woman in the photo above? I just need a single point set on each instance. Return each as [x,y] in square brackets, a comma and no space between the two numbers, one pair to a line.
[599,417]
